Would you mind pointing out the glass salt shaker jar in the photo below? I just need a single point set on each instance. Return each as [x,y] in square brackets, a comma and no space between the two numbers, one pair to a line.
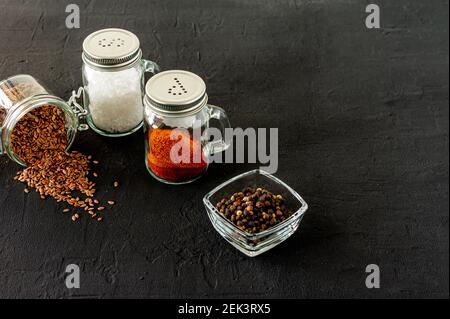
[113,79]
[21,94]
[177,122]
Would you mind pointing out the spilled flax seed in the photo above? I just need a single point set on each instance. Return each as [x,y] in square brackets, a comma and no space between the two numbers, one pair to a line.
[40,140]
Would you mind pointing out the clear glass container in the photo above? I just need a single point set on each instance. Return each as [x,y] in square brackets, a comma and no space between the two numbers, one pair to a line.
[113,82]
[253,245]
[177,123]
[21,94]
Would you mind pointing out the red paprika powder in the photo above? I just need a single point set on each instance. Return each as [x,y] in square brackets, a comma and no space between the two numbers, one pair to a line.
[160,146]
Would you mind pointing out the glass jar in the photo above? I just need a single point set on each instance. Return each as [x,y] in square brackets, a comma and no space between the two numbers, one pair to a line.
[21,94]
[177,122]
[113,79]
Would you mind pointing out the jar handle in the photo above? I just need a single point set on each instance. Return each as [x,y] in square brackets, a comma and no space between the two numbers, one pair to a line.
[79,110]
[219,114]
[150,67]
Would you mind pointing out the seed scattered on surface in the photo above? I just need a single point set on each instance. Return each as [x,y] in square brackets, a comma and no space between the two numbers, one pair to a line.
[101,208]
[26,190]
[95,175]
[116,184]
[111,202]
[40,140]
[66,210]
[96,162]
[100,219]
[75,217]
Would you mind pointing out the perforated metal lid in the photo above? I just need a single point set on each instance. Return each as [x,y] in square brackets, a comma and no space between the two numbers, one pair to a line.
[176,92]
[111,48]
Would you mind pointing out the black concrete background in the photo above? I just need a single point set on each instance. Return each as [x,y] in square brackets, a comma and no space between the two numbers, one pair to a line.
[363,119]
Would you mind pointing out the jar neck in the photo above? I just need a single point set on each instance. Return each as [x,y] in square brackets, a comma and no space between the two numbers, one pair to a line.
[18,111]
[165,111]
[112,67]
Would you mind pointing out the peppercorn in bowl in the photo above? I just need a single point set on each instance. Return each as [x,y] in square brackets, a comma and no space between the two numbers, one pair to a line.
[255,211]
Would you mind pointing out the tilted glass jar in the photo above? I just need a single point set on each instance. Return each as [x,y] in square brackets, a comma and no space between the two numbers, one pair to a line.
[21,94]
[113,79]
[177,120]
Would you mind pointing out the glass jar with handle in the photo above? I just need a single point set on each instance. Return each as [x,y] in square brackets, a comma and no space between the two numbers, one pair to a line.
[177,120]
[113,81]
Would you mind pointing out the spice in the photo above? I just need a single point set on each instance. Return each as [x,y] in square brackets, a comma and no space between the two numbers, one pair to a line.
[254,210]
[115,99]
[160,146]
[40,140]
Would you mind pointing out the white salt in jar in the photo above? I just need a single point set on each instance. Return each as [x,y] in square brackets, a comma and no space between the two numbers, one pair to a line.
[113,78]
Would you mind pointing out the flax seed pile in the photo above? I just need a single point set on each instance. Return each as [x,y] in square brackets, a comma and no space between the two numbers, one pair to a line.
[40,140]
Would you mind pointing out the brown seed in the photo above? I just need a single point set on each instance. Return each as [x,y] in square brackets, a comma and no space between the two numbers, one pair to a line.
[116,184]
[26,190]
[95,175]
[40,140]
[101,208]
[100,219]
[95,162]
[66,210]
[111,202]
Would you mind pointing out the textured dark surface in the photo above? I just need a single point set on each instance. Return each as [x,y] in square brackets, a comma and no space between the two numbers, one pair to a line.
[363,119]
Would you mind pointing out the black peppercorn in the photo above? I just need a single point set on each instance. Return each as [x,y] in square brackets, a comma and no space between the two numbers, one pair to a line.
[254,209]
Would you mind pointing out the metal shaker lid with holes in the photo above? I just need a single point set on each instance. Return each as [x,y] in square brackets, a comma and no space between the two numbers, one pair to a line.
[176,93]
[111,48]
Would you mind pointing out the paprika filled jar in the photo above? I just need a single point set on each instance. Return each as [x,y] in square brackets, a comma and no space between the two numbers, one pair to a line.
[113,78]
[177,120]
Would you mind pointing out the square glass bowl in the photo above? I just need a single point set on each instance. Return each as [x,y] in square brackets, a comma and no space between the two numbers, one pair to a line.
[253,245]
